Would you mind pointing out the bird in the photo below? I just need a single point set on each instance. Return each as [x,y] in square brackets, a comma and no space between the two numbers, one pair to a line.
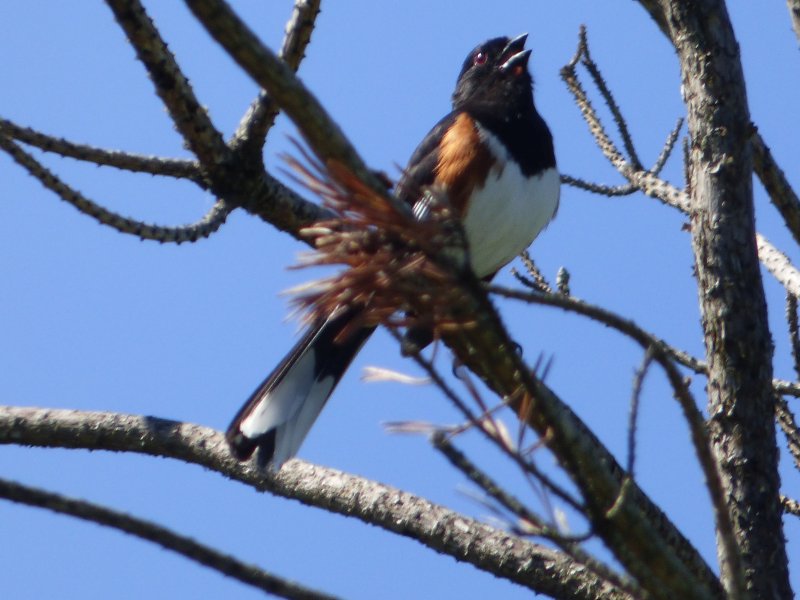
[493,156]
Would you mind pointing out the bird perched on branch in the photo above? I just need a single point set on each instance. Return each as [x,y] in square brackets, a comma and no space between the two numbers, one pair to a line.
[493,158]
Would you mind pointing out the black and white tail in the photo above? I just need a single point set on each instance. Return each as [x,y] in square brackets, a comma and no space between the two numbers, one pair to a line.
[278,416]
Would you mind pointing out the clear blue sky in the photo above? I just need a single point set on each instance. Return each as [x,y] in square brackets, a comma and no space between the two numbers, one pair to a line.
[92,319]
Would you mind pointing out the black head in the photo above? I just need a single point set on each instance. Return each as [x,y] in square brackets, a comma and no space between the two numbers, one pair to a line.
[495,74]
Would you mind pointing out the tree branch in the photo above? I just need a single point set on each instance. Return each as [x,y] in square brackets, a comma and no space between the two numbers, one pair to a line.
[323,136]
[659,351]
[778,187]
[190,118]
[402,265]
[146,530]
[650,184]
[154,165]
[788,424]
[256,123]
[536,567]
[790,506]
[739,347]
[794,15]
[530,522]
[212,221]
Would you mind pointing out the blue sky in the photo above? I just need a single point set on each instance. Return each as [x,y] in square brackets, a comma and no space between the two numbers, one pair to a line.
[92,319]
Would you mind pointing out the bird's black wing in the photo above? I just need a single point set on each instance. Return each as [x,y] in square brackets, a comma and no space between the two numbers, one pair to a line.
[421,169]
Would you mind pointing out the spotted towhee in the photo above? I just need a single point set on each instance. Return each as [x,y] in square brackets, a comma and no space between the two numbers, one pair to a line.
[493,156]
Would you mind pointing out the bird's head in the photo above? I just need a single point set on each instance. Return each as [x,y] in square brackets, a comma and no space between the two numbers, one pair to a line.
[495,74]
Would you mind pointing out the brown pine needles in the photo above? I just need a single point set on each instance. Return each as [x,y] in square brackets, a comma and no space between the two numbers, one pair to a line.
[399,271]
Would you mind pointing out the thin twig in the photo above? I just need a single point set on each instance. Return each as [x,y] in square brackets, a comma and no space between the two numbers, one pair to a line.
[258,120]
[608,97]
[531,521]
[568,543]
[680,389]
[626,189]
[525,465]
[773,259]
[187,233]
[146,530]
[794,330]
[636,394]
[137,163]
[537,280]
[666,151]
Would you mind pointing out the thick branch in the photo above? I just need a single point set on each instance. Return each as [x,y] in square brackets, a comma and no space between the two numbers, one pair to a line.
[539,568]
[734,316]
[200,553]
[398,264]
[638,533]
[664,356]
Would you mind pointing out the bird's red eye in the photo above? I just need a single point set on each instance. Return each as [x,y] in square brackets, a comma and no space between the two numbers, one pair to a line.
[479,58]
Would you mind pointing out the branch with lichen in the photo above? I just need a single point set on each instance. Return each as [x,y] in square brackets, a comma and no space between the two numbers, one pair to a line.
[536,567]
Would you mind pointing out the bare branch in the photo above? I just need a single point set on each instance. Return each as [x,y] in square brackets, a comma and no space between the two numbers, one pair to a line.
[187,233]
[794,330]
[656,348]
[530,521]
[598,188]
[146,530]
[636,394]
[537,280]
[171,85]
[533,566]
[525,465]
[605,92]
[666,151]
[323,136]
[262,112]
[154,165]
[778,187]
[739,348]
[773,259]
[779,265]
[628,188]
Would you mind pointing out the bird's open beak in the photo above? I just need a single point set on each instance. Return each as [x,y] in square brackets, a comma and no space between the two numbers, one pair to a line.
[515,54]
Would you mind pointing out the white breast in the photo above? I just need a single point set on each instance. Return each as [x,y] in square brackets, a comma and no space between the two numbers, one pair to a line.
[508,212]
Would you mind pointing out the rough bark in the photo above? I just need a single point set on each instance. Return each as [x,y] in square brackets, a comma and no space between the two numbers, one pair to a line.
[733,307]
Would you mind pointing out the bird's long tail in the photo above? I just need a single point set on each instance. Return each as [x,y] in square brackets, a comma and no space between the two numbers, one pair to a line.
[277,417]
